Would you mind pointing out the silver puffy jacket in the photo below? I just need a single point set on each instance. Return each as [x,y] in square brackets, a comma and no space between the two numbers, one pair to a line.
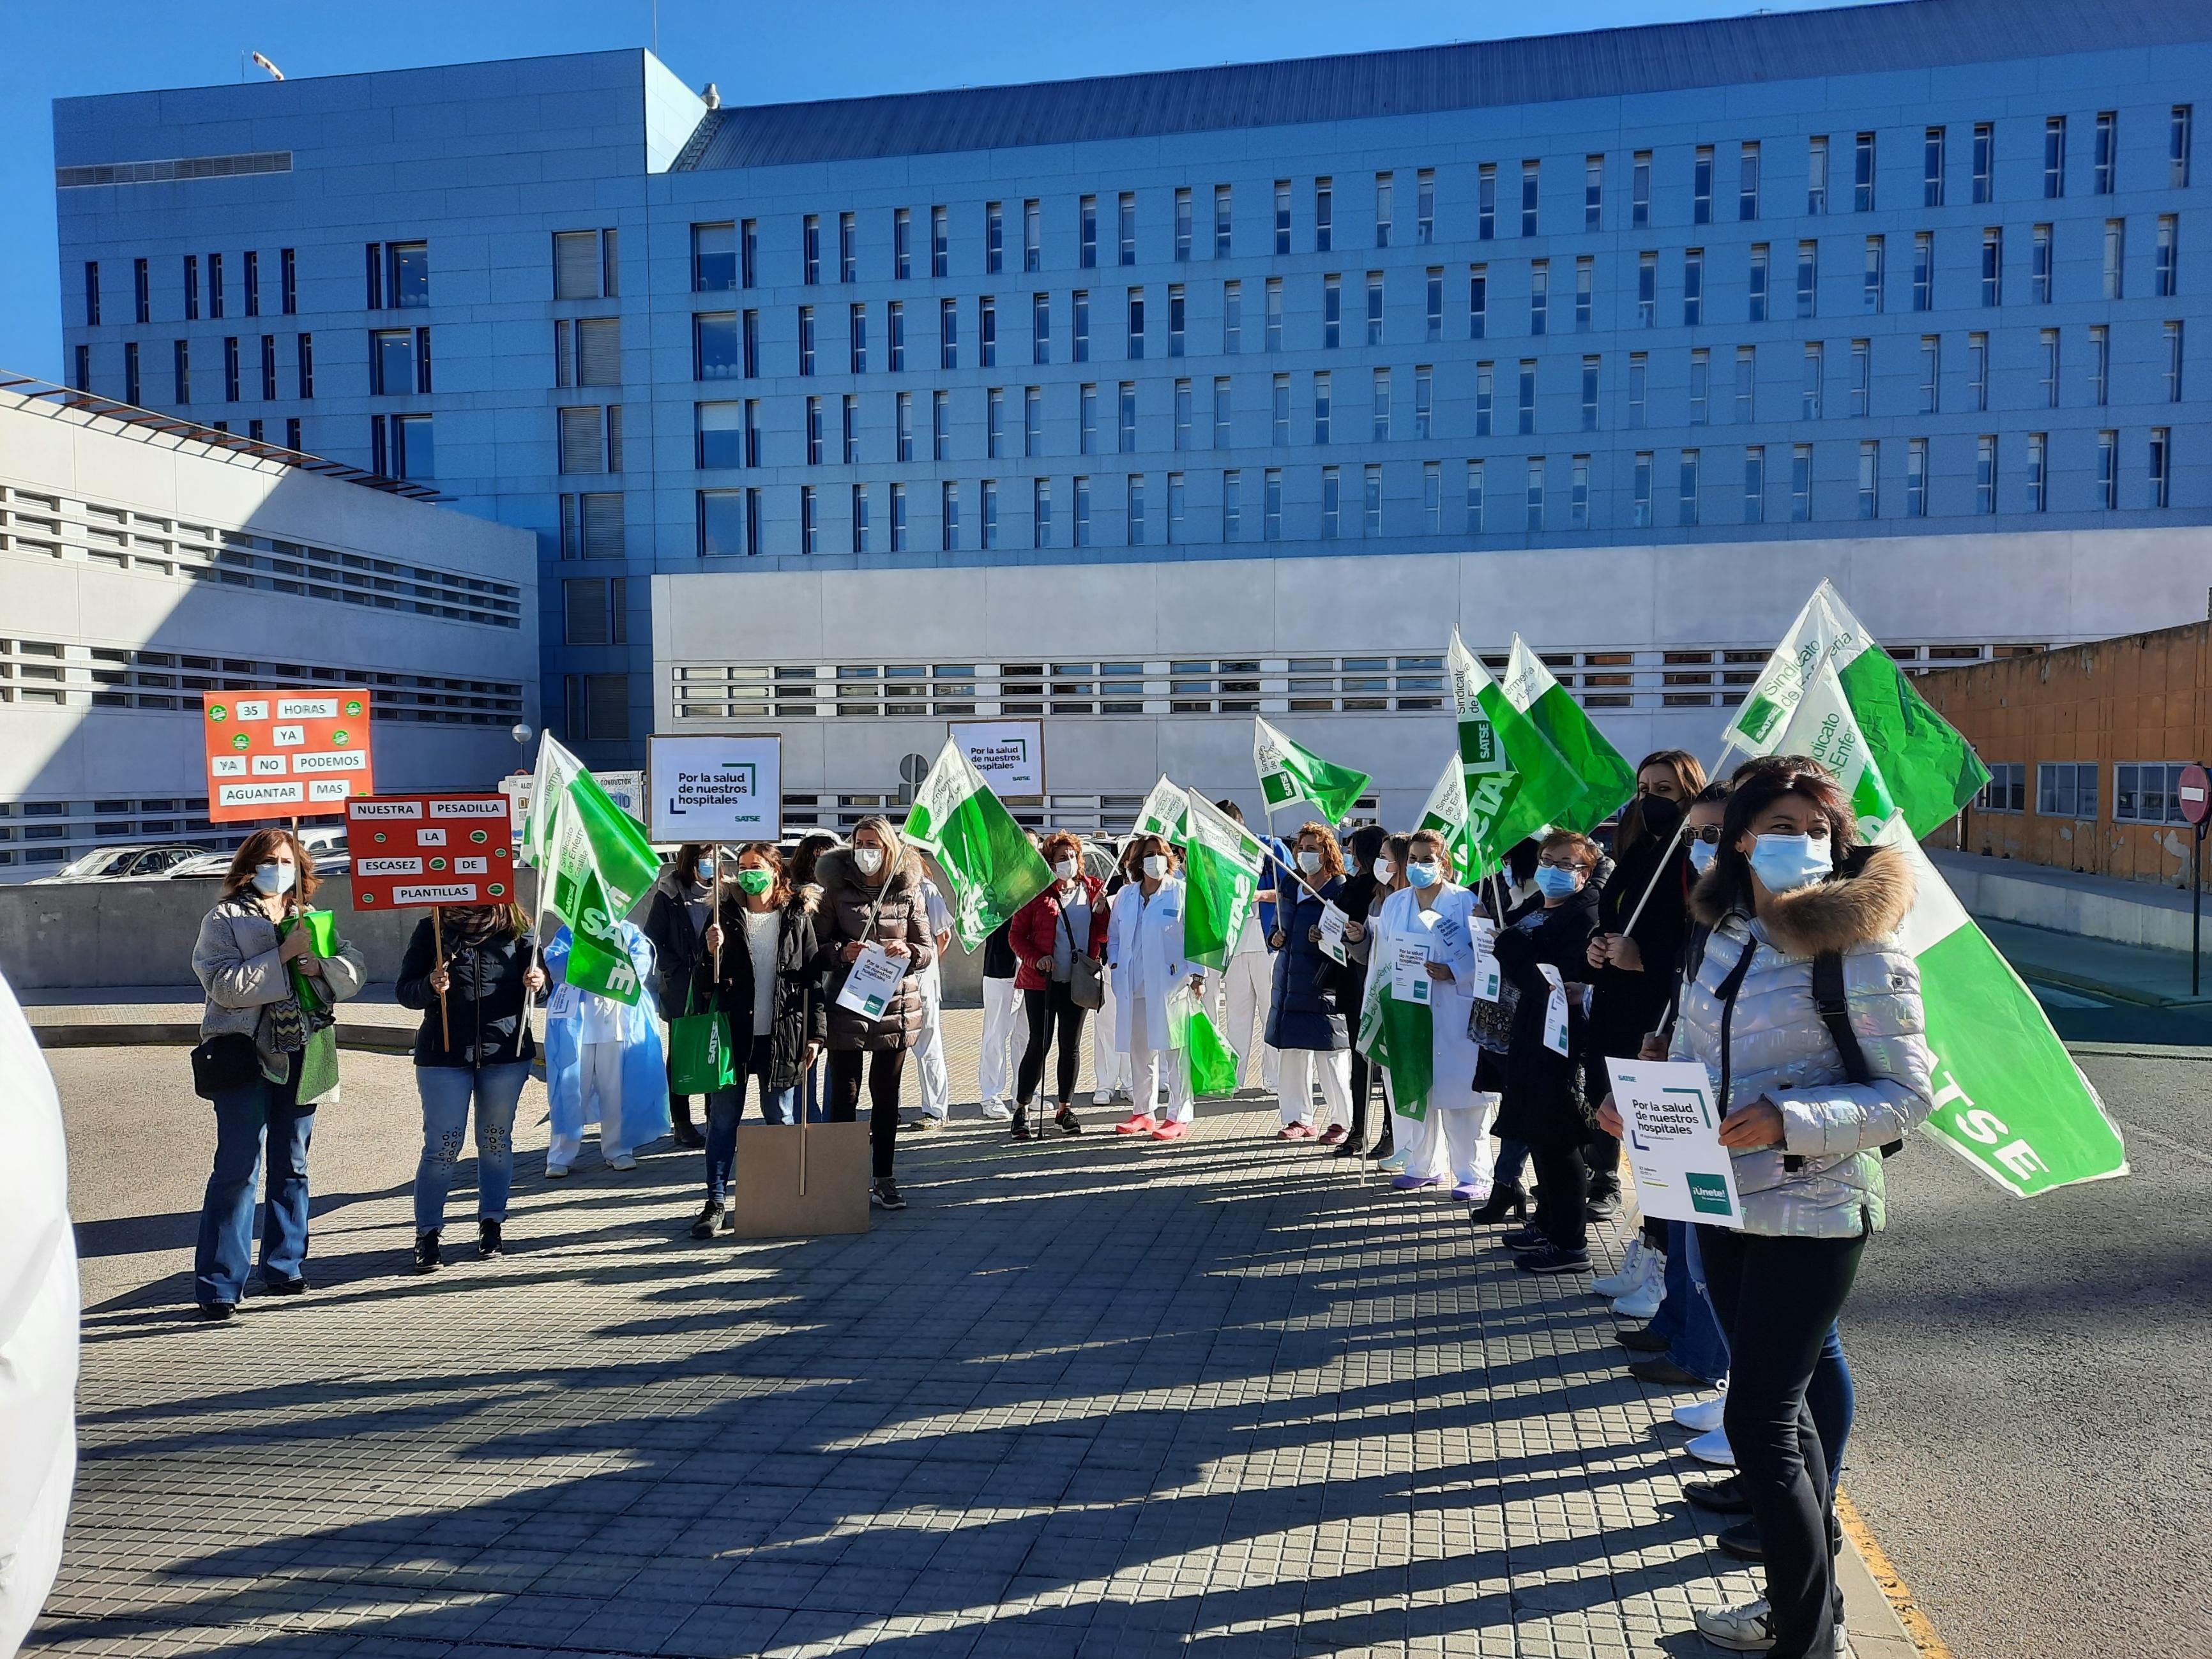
[1781,1049]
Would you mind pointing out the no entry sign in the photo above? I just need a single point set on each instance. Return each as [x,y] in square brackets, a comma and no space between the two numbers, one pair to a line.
[280,754]
[429,849]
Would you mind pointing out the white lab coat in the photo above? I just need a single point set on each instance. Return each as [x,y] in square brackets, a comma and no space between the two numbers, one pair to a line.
[1144,942]
[38,1331]
[1450,940]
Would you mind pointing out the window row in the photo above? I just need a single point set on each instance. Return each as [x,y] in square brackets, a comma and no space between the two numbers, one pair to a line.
[1725,182]
[245,369]
[2144,792]
[1533,496]
[215,294]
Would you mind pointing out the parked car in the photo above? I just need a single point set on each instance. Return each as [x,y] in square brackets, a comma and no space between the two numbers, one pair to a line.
[117,863]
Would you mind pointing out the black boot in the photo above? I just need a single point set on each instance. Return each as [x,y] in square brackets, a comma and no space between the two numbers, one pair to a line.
[490,1240]
[426,1259]
[1506,1198]
[1386,1147]
[703,1226]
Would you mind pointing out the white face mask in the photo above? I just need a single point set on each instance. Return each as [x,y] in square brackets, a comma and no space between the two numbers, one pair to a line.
[1309,860]
[1065,869]
[870,859]
[1156,867]
[1384,869]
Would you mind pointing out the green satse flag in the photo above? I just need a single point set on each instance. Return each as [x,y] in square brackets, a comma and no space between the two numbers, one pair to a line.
[1162,813]
[1930,769]
[1607,778]
[1221,879]
[594,862]
[1288,773]
[1516,782]
[1446,813]
[2008,1097]
[959,820]
[1400,1038]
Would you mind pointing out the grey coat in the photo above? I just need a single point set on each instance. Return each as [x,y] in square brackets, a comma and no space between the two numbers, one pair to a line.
[1833,1129]
[237,965]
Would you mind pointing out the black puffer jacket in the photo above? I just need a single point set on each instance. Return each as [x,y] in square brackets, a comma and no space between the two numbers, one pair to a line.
[686,975]
[800,1015]
[1304,1012]
[851,909]
[1543,1101]
[485,999]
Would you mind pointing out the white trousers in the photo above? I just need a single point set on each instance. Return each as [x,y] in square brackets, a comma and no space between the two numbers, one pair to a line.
[1006,1036]
[1109,1067]
[1297,1068]
[929,1048]
[1238,1000]
[599,1070]
[1152,1069]
[1454,1141]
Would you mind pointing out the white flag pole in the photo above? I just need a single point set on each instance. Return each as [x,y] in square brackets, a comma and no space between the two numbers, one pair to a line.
[1682,829]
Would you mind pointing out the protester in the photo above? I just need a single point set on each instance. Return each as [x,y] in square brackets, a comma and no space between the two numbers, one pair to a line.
[1006,1026]
[604,1061]
[1544,1105]
[1145,952]
[929,1047]
[1306,1029]
[475,1043]
[811,845]
[871,894]
[269,1029]
[1238,996]
[770,989]
[1058,937]
[1452,1145]
[1109,1067]
[676,919]
[1787,889]
[1626,997]
[1366,885]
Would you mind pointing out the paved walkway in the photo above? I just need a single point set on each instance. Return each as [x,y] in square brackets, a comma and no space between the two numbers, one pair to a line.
[1085,1397]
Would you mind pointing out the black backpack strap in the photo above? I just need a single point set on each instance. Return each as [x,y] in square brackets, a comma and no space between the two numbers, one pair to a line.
[1729,989]
[1836,1014]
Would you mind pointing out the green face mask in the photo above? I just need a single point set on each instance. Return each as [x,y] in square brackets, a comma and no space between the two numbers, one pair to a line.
[756,881]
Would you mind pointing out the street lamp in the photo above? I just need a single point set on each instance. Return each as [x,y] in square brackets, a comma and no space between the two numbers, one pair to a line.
[522,734]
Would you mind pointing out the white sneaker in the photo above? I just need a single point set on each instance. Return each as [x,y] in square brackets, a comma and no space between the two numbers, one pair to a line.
[556,1171]
[1702,1416]
[1644,1299]
[1712,1447]
[1740,1629]
[1101,1096]
[621,1161]
[1630,1276]
[998,1111]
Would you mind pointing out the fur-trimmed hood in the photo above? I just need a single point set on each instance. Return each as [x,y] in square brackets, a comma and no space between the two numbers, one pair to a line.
[804,901]
[1864,902]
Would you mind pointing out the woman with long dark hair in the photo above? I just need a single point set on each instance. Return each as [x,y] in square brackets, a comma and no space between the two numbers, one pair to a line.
[1306,1028]
[676,921]
[267,1028]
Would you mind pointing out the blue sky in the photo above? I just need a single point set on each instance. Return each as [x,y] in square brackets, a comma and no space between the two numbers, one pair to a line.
[758,54]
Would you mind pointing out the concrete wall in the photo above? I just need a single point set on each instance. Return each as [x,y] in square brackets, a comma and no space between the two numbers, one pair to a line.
[2091,907]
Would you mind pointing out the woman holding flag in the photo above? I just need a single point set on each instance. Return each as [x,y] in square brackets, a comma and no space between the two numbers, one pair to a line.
[1364,890]
[1305,1027]
[1058,936]
[1144,954]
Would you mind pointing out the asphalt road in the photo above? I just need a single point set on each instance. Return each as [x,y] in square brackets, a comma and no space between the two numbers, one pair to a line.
[2035,1439]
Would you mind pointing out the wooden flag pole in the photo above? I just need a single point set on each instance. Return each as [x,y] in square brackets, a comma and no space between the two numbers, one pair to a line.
[438,948]
[715,919]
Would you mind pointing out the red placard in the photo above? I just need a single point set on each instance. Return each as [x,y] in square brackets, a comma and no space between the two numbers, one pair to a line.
[429,849]
[285,754]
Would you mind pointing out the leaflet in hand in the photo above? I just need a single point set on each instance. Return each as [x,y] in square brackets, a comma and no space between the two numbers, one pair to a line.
[1409,971]
[1487,984]
[1671,1132]
[871,981]
[1333,922]
[1555,1010]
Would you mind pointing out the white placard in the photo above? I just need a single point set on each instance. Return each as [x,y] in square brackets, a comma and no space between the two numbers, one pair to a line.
[1010,754]
[1487,984]
[1332,922]
[1671,1131]
[1409,971]
[1555,1010]
[720,788]
[871,981]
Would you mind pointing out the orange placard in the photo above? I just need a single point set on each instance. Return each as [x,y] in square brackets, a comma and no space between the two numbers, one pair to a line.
[429,849]
[285,754]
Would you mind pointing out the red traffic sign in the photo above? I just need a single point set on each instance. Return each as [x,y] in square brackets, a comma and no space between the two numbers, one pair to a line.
[2195,793]
[429,849]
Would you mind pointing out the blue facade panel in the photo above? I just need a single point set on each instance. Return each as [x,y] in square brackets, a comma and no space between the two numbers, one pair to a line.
[1886,391]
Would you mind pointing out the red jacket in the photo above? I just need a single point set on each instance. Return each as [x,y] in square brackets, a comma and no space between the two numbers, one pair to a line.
[1035,928]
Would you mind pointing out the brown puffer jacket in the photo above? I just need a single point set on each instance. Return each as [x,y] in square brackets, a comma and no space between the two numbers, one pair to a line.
[900,915]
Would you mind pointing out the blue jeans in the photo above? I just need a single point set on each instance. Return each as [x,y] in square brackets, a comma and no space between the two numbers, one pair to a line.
[1512,1163]
[445,1090]
[1686,1315]
[226,1242]
[725,1107]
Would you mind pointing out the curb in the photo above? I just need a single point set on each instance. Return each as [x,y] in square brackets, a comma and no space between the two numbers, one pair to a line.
[1886,1622]
[2037,974]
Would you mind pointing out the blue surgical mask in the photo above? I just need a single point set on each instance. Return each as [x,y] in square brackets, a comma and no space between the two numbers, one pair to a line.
[1702,855]
[273,879]
[1422,873]
[706,871]
[1785,863]
[1556,883]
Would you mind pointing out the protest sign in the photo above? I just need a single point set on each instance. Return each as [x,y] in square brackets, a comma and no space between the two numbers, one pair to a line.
[1010,754]
[1671,1131]
[429,849]
[285,754]
[719,788]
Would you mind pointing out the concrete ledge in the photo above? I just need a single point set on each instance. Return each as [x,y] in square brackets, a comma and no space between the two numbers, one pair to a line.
[2090,907]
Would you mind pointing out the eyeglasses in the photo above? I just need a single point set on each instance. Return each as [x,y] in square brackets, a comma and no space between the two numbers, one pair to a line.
[1711,834]
[1563,863]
